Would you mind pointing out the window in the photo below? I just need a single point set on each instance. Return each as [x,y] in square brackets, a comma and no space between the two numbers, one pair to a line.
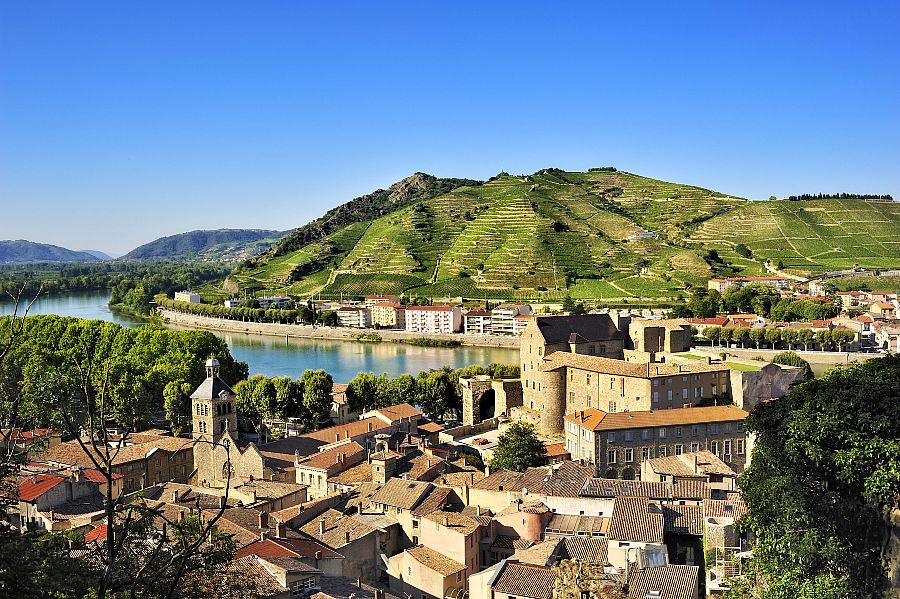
[739,446]
[612,456]
[740,427]
[629,454]
[677,431]
[645,453]
[727,445]
[714,428]
[612,407]
[669,395]
[628,435]
[663,451]
[611,437]
[698,391]
[695,430]
[572,397]
[645,434]
[656,397]
[588,401]
[679,449]
[415,523]
[727,427]
[695,446]
[662,433]
[656,382]
[714,447]
[587,378]
[684,393]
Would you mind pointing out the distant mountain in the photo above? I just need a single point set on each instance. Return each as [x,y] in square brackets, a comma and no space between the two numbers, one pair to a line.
[98,254]
[22,251]
[218,245]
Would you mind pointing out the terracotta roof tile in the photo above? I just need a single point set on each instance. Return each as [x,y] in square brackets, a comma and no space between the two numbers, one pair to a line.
[434,560]
[654,418]
[35,486]
[526,580]
[338,529]
[665,582]
[636,519]
[643,370]
[695,463]
[402,494]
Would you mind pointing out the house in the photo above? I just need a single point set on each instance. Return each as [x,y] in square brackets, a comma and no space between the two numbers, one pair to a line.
[703,324]
[618,442]
[340,406]
[695,465]
[514,580]
[57,503]
[350,537]
[503,318]
[388,315]
[187,296]
[275,302]
[887,336]
[456,535]
[885,310]
[311,553]
[433,319]
[274,577]
[636,523]
[27,441]
[477,322]
[233,303]
[664,582]
[427,573]
[355,317]
[722,285]
[314,470]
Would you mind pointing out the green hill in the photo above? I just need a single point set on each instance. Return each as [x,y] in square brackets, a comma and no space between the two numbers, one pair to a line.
[218,245]
[602,234]
[22,251]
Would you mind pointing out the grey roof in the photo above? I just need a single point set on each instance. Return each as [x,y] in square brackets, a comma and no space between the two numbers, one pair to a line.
[668,582]
[578,329]
[211,388]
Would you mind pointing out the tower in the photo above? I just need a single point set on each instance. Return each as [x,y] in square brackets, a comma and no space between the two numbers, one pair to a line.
[212,406]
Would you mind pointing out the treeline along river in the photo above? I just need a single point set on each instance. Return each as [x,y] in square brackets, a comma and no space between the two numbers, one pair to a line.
[278,356]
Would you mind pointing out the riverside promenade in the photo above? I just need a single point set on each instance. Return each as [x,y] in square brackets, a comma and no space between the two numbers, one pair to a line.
[320,332]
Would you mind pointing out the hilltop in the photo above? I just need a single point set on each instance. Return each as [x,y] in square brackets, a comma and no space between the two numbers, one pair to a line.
[22,251]
[600,234]
[217,245]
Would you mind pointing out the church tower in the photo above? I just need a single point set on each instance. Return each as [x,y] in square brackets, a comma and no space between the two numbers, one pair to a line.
[212,406]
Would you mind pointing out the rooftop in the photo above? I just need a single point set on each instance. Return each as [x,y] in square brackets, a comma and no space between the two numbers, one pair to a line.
[586,328]
[695,463]
[598,420]
[525,580]
[647,370]
[636,519]
[434,560]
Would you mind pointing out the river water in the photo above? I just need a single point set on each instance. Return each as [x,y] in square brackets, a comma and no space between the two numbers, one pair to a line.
[277,356]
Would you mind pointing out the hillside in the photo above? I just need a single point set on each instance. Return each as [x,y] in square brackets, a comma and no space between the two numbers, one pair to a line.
[21,251]
[218,245]
[601,234]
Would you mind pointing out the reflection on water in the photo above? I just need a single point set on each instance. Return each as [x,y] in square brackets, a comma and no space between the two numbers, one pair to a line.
[279,356]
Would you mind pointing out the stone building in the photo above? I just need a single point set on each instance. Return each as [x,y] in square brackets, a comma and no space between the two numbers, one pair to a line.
[485,398]
[580,382]
[544,391]
[670,336]
[617,443]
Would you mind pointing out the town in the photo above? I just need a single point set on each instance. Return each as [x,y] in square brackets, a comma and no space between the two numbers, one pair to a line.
[642,449]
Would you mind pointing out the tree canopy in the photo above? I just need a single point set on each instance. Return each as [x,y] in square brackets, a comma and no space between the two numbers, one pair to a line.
[518,448]
[822,485]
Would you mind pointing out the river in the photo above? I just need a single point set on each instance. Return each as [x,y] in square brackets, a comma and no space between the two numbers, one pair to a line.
[277,356]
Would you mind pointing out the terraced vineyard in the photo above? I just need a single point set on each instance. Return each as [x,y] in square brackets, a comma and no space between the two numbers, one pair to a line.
[812,236]
[603,235]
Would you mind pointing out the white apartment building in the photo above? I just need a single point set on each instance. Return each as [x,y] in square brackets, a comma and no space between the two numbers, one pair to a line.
[433,319]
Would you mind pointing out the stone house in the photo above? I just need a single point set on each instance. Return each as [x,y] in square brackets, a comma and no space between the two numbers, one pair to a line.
[617,443]
[696,465]
[424,572]
[314,470]
[357,541]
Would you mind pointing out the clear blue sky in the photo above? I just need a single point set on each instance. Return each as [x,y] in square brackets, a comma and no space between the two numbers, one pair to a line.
[122,122]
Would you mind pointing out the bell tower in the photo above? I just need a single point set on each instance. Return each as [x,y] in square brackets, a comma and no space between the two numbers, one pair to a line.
[212,406]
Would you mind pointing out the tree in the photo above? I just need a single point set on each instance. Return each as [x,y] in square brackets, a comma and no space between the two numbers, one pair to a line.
[804,337]
[773,336]
[757,335]
[437,393]
[177,401]
[789,358]
[362,392]
[568,304]
[822,485]
[714,334]
[317,385]
[842,337]
[518,448]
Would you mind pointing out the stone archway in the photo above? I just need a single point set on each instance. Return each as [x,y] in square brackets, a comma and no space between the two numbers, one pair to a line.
[628,474]
[611,473]
[487,406]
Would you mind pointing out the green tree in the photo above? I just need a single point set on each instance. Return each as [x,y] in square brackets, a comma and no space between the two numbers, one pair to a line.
[714,334]
[362,392]
[822,485]
[773,336]
[789,358]
[757,335]
[317,385]
[437,393]
[177,402]
[518,448]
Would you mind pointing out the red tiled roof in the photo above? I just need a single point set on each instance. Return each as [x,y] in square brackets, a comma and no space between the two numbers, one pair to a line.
[34,486]
[98,533]
[287,548]
[95,476]
[555,449]
[347,431]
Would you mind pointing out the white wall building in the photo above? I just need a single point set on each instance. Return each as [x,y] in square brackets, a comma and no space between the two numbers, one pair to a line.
[433,319]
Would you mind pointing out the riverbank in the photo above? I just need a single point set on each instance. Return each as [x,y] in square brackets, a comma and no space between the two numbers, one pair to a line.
[829,358]
[337,333]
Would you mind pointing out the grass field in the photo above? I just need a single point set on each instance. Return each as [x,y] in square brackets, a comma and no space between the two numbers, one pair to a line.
[604,236]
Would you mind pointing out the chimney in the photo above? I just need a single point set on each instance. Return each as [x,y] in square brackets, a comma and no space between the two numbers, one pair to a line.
[321,527]
[175,496]
[446,521]
[221,502]
[696,466]
[369,426]
[477,510]
[347,537]
[280,530]
[358,583]
[296,458]
[263,520]
[337,437]
[263,535]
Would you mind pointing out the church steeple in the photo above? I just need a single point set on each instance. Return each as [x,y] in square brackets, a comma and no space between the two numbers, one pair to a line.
[213,406]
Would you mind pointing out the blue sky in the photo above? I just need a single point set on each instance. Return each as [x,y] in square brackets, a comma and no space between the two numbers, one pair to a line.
[122,122]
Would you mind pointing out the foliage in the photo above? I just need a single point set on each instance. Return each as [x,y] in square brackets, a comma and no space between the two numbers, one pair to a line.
[429,342]
[789,358]
[197,244]
[518,448]
[317,385]
[824,478]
